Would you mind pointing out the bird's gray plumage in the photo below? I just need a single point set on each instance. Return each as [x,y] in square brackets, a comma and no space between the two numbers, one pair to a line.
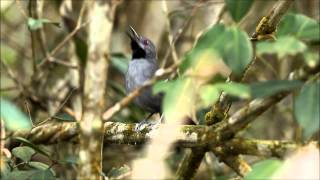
[141,68]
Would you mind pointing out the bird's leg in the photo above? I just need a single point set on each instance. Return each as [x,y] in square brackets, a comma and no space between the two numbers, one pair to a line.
[143,124]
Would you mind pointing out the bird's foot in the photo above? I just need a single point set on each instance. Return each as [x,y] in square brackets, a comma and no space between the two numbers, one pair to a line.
[147,124]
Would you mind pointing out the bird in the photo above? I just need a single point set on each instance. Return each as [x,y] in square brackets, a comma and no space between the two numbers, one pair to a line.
[141,68]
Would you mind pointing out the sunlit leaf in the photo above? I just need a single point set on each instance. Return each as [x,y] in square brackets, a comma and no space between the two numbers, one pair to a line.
[264,169]
[282,47]
[230,43]
[235,89]
[7,54]
[311,58]
[209,94]
[299,26]
[24,153]
[238,8]
[162,86]
[179,100]
[307,108]
[35,24]
[268,88]
[14,118]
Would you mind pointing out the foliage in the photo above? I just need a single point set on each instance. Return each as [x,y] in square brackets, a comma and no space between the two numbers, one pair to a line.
[223,60]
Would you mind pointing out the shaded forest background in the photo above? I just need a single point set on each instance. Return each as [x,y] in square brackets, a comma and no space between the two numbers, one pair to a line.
[48,81]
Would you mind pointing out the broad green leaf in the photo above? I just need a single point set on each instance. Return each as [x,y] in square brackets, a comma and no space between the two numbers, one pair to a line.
[263,169]
[209,94]
[238,8]
[35,24]
[179,99]
[120,62]
[230,43]
[24,153]
[282,47]
[307,108]
[237,50]
[263,89]
[299,26]
[33,146]
[14,118]
[235,89]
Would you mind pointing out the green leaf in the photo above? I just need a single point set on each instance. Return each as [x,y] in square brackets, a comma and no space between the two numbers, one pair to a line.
[263,89]
[64,117]
[81,49]
[179,99]
[35,24]
[209,94]
[238,8]
[235,89]
[162,86]
[33,146]
[42,175]
[120,62]
[20,175]
[40,166]
[307,108]
[299,26]
[237,50]
[7,54]
[24,153]
[282,47]
[14,118]
[263,169]
[230,43]
[312,59]
[117,173]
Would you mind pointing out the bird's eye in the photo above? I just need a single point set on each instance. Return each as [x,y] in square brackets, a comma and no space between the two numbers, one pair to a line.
[146,42]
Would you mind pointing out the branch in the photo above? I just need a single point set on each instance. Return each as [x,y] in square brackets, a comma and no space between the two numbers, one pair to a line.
[265,148]
[101,15]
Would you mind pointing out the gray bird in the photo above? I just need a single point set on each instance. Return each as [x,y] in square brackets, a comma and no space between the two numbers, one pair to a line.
[142,67]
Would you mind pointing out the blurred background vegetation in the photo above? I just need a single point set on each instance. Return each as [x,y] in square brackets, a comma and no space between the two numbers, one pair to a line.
[38,86]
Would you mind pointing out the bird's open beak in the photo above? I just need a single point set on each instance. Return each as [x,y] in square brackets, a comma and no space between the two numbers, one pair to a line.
[135,38]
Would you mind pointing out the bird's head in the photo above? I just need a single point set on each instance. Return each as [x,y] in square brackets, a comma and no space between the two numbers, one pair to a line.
[141,47]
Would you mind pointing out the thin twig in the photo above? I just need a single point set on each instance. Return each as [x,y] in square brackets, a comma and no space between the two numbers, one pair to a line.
[78,27]
[58,109]
[29,113]
[178,34]
[170,37]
